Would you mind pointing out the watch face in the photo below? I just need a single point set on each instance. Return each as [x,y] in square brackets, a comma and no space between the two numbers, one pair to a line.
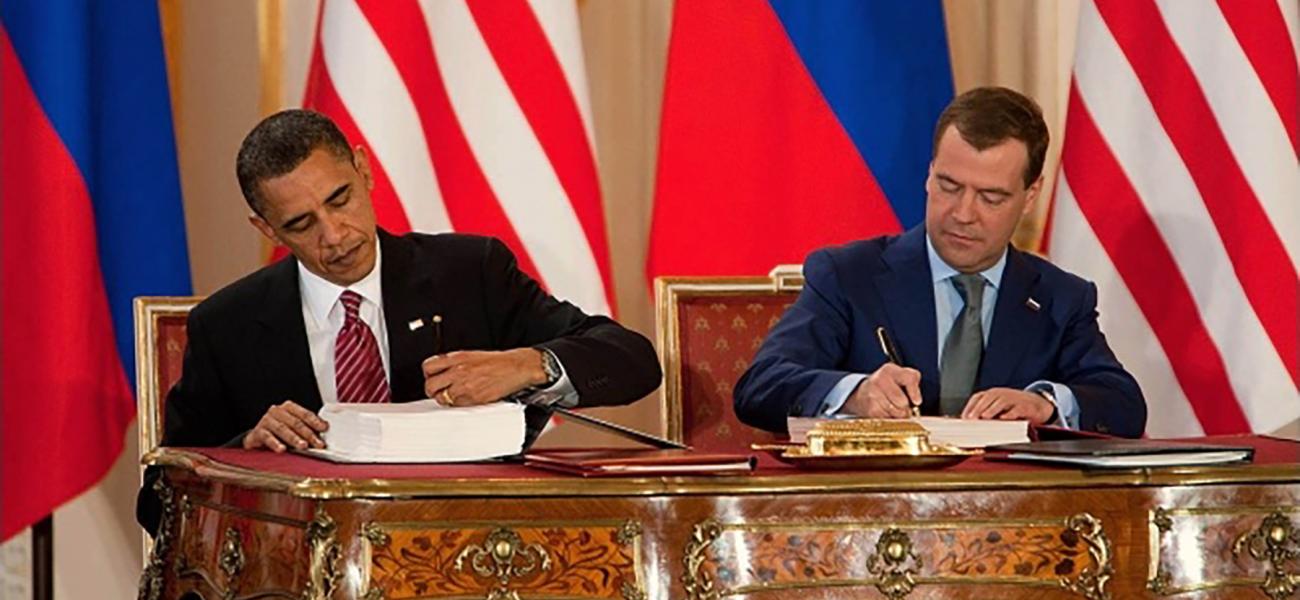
[551,366]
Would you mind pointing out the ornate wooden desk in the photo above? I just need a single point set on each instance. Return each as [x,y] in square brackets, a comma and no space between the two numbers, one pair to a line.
[256,525]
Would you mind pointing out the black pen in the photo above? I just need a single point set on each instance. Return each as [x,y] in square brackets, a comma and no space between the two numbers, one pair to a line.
[891,354]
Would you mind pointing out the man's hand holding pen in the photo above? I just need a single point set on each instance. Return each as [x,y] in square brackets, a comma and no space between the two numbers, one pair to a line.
[891,392]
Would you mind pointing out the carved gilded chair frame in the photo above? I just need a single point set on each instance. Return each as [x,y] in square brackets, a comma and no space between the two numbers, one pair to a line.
[149,312]
[149,386]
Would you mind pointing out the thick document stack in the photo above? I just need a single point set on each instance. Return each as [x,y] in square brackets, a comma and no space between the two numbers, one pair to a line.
[962,433]
[638,463]
[421,432]
[1115,453]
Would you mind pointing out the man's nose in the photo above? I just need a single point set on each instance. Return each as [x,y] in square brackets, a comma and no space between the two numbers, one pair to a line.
[332,230]
[965,211]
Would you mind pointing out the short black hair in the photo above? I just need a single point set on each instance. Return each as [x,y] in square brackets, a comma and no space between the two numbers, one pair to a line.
[988,116]
[280,143]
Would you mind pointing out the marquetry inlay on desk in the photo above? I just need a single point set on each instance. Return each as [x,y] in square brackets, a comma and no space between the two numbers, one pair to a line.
[255,525]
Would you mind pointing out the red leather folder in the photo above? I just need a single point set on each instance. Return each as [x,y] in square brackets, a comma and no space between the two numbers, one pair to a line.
[635,462]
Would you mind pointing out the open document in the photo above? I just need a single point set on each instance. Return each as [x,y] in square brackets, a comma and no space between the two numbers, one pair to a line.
[421,432]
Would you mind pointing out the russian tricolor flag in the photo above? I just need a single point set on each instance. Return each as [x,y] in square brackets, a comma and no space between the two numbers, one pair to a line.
[91,218]
[790,125]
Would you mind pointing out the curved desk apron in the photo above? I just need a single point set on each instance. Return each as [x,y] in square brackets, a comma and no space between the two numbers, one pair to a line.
[242,525]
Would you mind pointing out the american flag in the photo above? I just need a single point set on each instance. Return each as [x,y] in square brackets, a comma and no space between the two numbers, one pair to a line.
[1180,196]
[477,119]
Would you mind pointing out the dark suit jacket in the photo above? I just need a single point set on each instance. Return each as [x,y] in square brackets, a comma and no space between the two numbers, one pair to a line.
[851,290]
[248,347]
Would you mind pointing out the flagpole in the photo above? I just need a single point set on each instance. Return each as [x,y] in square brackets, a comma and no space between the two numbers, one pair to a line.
[43,559]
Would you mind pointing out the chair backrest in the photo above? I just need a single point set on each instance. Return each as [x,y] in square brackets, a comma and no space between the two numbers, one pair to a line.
[159,349]
[709,329]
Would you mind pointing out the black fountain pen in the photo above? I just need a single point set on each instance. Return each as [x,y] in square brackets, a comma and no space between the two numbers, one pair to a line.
[891,353]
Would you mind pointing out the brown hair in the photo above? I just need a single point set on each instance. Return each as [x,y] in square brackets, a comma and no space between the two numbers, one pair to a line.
[280,143]
[988,116]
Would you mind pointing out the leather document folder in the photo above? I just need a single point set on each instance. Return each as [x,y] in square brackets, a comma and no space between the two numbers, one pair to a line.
[634,462]
[1117,453]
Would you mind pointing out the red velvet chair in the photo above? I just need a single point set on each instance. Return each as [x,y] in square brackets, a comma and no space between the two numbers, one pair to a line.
[709,329]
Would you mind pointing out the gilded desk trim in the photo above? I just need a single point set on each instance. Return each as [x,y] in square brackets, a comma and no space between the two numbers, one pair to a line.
[232,557]
[792,483]
[627,533]
[668,508]
[1160,522]
[893,577]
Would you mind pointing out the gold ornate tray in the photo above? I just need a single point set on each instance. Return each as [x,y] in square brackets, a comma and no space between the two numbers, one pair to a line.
[801,458]
[868,444]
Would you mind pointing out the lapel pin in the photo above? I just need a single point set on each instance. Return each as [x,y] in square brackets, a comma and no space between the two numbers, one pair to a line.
[1032,304]
[415,324]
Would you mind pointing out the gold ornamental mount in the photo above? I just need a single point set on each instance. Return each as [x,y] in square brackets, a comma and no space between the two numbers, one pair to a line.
[504,556]
[1277,541]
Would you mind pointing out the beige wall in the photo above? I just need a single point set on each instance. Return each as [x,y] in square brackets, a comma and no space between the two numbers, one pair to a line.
[1027,45]
[216,92]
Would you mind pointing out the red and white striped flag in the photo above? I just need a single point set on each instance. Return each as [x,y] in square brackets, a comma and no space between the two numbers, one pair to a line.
[1180,196]
[477,119]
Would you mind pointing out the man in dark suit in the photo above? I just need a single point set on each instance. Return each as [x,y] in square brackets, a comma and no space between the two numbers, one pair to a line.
[935,290]
[359,315]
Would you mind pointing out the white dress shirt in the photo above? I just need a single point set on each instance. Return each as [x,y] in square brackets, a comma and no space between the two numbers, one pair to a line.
[323,315]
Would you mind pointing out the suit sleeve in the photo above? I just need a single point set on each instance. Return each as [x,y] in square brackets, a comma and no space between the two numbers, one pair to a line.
[606,363]
[800,361]
[1109,398]
[192,415]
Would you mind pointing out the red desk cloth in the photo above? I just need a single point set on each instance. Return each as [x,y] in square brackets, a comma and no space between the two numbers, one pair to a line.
[1268,451]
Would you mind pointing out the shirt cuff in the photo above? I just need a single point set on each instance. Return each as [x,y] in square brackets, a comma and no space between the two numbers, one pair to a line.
[1067,407]
[839,394]
[561,393]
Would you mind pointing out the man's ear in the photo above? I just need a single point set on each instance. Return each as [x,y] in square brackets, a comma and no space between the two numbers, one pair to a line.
[265,228]
[1032,195]
[361,160]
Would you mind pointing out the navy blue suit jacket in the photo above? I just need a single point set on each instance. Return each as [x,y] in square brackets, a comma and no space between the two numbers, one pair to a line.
[851,290]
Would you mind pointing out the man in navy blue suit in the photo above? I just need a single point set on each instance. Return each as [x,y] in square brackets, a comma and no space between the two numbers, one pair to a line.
[978,328]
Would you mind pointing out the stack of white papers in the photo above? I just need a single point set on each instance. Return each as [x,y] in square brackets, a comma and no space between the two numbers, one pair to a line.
[972,433]
[421,432]
[963,433]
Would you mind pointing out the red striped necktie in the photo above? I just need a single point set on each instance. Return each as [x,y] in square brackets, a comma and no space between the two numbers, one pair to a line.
[358,369]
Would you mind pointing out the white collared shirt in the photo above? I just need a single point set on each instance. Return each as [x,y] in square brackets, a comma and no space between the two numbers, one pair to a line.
[323,315]
[948,302]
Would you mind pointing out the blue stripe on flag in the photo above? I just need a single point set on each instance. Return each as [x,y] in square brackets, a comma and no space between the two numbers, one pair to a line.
[883,67]
[99,72]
